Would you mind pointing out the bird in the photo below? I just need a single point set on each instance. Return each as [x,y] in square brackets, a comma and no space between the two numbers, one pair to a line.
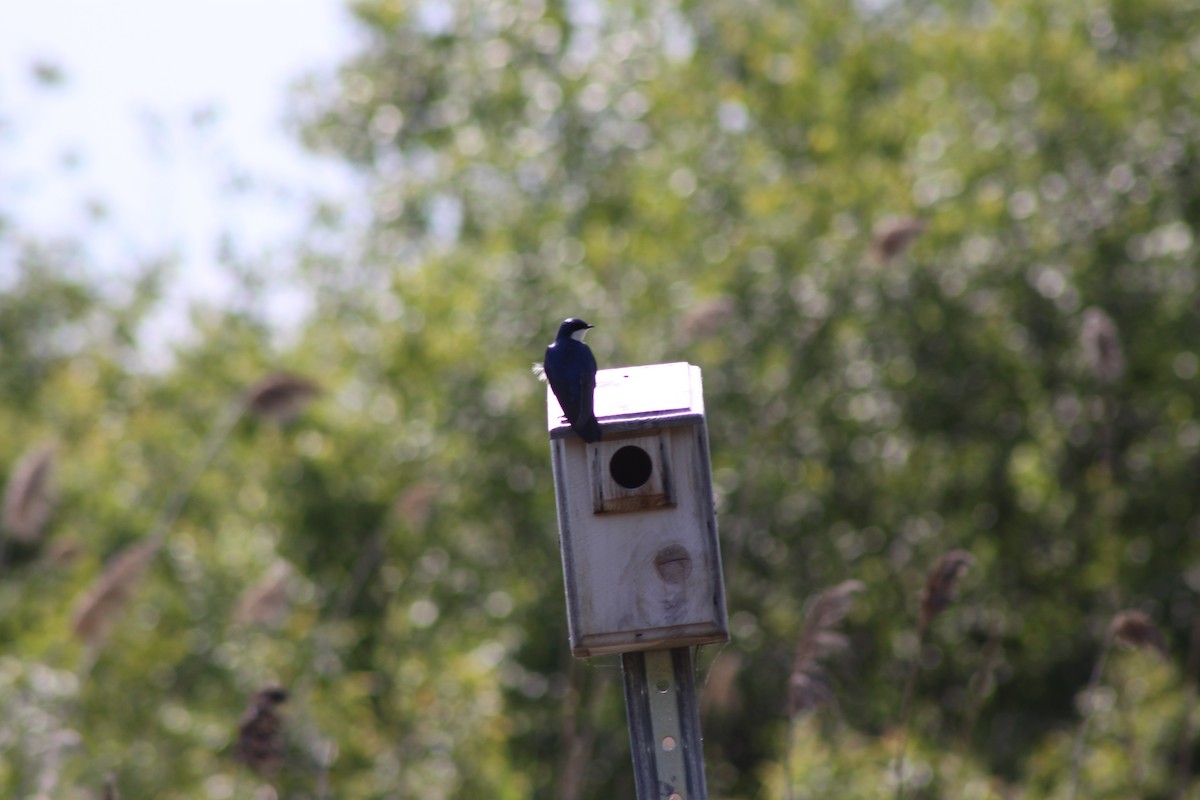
[570,368]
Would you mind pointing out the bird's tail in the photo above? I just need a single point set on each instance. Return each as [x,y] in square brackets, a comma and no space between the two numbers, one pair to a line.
[588,429]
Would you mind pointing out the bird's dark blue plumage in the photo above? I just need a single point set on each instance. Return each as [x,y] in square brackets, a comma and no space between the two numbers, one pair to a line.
[571,370]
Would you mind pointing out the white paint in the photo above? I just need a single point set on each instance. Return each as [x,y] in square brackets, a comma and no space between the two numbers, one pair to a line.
[634,391]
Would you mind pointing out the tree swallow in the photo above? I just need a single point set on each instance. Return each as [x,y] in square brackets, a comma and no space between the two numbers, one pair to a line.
[571,369]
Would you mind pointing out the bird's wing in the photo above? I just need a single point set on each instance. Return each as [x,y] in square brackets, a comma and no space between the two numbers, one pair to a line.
[568,391]
[585,387]
[587,390]
[562,385]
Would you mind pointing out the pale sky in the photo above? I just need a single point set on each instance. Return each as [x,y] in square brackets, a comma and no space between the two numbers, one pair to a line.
[137,72]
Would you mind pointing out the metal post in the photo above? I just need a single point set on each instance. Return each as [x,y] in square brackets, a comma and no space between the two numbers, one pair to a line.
[664,724]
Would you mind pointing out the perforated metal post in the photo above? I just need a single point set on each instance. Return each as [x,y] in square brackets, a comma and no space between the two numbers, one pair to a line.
[664,725]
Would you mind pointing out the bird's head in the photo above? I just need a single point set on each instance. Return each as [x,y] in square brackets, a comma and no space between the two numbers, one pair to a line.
[573,328]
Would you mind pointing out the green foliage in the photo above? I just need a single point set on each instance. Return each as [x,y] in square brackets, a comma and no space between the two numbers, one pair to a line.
[1133,743]
[851,765]
[704,181]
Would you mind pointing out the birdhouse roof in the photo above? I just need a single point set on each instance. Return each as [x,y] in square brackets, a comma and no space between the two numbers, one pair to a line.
[639,398]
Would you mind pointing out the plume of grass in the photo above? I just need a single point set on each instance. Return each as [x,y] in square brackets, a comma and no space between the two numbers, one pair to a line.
[1132,629]
[110,592]
[259,742]
[63,551]
[280,397]
[808,683]
[29,497]
[893,236]
[266,602]
[706,319]
[1105,359]
[1135,629]
[1102,347]
[941,589]
[415,504]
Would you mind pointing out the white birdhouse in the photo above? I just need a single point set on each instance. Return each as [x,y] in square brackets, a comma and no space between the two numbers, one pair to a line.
[635,514]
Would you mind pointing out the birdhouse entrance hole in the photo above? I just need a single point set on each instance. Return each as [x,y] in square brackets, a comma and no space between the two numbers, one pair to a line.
[631,472]
[630,466]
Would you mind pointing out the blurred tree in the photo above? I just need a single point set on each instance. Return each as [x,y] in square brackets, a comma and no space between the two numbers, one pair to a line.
[878,229]
[705,181]
[904,242]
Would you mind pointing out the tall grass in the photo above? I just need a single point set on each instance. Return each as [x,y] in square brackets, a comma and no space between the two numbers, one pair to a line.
[809,687]
[276,398]
[1129,628]
[941,588]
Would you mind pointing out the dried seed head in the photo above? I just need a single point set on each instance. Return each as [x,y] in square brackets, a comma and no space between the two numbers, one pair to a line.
[894,235]
[707,318]
[63,551]
[942,584]
[280,397]
[809,690]
[415,504]
[273,695]
[111,590]
[29,498]
[260,733]
[1102,346]
[808,685]
[267,601]
[1135,629]
[827,610]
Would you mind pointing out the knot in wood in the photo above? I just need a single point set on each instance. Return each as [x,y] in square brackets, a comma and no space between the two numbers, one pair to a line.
[673,563]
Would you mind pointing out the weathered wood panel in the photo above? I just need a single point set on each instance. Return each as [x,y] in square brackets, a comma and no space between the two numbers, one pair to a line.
[641,560]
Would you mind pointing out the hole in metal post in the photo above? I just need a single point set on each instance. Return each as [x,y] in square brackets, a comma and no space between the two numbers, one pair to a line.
[662,686]
[668,743]
[630,466]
